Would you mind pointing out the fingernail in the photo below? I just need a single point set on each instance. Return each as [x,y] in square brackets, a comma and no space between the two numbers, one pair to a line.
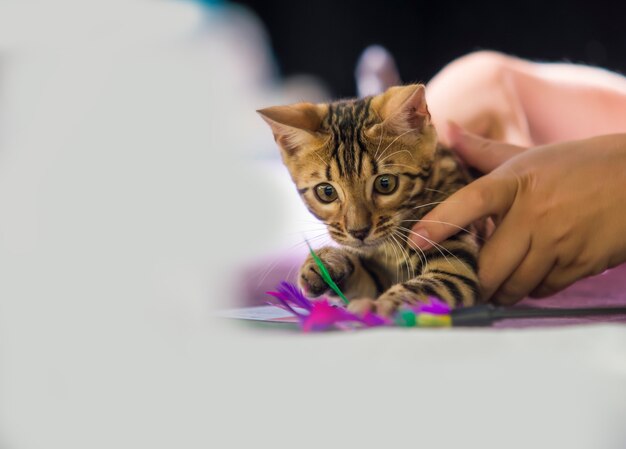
[421,238]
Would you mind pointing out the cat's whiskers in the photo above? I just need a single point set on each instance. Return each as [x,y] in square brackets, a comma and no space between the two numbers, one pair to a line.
[421,255]
[460,228]
[395,253]
[320,158]
[294,267]
[386,252]
[438,191]
[275,262]
[405,239]
[436,245]
[399,261]
[427,204]
[395,152]
[265,271]
[398,165]
[394,141]
[307,220]
[318,229]
[382,136]
[287,278]
[403,256]
[410,271]
[408,255]
[322,146]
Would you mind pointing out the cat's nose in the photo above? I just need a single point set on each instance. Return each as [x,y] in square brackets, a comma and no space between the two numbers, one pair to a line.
[360,233]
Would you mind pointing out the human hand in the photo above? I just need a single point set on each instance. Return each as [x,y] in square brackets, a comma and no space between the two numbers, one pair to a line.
[560,213]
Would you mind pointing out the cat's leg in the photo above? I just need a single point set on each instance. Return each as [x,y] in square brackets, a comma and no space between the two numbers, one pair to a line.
[450,274]
[353,278]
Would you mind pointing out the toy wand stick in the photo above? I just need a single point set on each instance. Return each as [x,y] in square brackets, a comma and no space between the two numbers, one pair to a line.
[486,315]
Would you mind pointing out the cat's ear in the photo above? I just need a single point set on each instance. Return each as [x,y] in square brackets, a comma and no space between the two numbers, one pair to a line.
[403,108]
[294,126]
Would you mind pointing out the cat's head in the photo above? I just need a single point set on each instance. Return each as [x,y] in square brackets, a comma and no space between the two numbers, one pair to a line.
[359,165]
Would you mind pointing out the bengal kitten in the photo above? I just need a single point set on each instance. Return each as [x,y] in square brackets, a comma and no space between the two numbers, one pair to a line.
[370,169]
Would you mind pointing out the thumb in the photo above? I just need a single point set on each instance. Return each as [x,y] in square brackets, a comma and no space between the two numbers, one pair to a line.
[483,154]
[489,195]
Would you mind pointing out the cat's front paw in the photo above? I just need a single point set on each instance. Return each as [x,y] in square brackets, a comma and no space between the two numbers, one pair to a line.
[338,264]
[361,306]
[390,301]
[382,306]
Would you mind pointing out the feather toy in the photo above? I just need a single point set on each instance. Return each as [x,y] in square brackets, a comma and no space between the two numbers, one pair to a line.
[322,314]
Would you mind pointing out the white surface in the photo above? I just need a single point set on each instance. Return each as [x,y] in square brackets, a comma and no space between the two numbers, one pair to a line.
[257,313]
[123,212]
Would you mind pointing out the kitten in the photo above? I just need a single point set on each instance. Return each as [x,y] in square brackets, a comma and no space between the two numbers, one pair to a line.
[370,169]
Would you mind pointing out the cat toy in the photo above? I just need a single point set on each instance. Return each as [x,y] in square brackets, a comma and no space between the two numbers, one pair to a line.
[323,314]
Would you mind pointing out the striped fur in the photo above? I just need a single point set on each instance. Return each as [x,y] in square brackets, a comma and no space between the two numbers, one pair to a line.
[348,145]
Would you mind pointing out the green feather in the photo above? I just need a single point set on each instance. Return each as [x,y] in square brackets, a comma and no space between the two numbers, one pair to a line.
[326,275]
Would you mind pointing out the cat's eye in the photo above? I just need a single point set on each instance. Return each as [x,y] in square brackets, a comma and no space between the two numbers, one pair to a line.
[326,193]
[386,184]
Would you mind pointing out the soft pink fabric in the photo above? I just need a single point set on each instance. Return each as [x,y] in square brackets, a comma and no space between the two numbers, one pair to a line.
[607,289]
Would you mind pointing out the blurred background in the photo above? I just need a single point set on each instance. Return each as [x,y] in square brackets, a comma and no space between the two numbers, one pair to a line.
[325,38]
[136,180]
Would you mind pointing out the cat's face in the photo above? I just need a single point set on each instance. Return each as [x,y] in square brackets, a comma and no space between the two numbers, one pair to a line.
[360,166]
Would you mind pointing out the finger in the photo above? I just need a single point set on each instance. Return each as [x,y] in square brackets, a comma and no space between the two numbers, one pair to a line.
[545,290]
[559,279]
[502,254]
[531,272]
[486,196]
[481,153]
[490,227]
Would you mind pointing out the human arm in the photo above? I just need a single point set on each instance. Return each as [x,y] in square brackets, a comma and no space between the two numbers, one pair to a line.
[527,103]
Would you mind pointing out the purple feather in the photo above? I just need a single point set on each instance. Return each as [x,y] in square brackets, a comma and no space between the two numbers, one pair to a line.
[283,303]
[325,315]
[434,306]
[290,296]
[296,295]
[320,314]
[370,319]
